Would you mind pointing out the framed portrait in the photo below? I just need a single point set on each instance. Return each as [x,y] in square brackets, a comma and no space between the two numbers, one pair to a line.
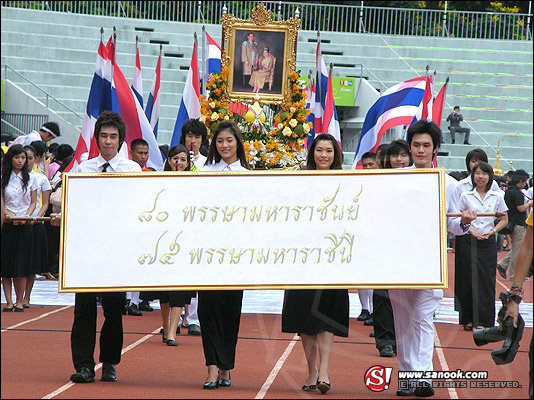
[259,54]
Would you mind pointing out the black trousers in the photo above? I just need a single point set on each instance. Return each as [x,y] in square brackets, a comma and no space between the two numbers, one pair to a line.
[83,335]
[458,271]
[383,321]
[219,313]
[477,296]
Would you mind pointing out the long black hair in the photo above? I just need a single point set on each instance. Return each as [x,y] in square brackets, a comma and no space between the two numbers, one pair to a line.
[179,148]
[213,154]
[7,166]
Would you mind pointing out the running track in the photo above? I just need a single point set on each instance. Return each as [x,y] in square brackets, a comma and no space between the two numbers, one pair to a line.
[36,361]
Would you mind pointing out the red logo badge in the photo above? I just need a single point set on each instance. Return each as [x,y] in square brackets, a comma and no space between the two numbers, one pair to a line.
[377,378]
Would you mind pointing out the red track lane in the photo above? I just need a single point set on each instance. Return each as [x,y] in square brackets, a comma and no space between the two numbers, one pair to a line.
[36,360]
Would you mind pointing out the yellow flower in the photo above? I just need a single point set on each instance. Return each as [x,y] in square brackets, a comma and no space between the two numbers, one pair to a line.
[293,122]
[226,117]
[292,109]
[212,104]
[202,118]
[214,116]
[287,131]
[306,128]
[280,126]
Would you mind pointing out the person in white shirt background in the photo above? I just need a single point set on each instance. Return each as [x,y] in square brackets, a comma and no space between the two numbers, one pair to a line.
[20,198]
[194,134]
[40,241]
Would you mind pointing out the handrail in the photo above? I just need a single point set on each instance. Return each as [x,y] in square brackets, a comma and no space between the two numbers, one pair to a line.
[48,95]
[13,127]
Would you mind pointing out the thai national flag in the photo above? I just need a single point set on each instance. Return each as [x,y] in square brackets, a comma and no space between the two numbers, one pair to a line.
[126,104]
[330,121]
[152,105]
[321,82]
[439,102]
[190,105]
[396,106]
[137,85]
[213,57]
[99,99]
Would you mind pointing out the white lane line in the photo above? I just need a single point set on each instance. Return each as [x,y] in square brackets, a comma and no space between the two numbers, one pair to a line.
[444,366]
[277,368]
[35,319]
[98,366]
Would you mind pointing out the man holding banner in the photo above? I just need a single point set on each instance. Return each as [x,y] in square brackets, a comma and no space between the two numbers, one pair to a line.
[110,132]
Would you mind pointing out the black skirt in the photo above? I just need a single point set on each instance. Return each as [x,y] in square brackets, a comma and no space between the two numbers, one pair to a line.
[17,251]
[40,249]
[175,298]
[477,295]
[312,311]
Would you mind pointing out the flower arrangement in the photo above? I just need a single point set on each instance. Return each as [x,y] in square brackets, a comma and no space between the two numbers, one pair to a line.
[277,146]
[213,109]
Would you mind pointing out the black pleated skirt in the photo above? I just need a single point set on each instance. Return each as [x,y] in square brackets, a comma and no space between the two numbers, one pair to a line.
[312,311]
[175,298]
[17,251]
[40,249]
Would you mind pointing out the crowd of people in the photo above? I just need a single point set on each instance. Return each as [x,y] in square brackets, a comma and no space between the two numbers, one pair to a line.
[402,318]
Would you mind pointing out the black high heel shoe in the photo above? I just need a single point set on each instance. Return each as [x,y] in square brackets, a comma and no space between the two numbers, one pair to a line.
[225,382]
[309,388]
[212,385]
[323,386]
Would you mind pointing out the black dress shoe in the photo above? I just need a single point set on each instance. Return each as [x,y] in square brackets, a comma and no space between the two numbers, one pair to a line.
[133,310]
[109,372]
[84,375]
[19,309]
[387,351]
[469,144]
[424,389]
[194,330]
[211,385]
[144,306]
[364,315]
[369,321]
[405,392]
[372,334]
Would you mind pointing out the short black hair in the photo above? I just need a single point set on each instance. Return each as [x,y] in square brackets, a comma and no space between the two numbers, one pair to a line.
[395,148]
[479,154]
[456,108]
[423,126]
[519,175]
[484,167]
[51,126]
[64,150]
[195,127]
[369,154]
[40,147]
[138,142]
[109,118]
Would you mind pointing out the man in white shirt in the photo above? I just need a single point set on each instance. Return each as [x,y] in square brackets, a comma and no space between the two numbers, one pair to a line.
[413,309]
[194,133]
[110,132]
[47,132]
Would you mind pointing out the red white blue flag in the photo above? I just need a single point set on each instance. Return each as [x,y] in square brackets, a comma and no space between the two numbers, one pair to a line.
[190,104]
[152,104]
[396,106]
[137,85]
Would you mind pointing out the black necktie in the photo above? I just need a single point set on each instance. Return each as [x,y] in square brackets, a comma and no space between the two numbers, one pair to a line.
[105,167]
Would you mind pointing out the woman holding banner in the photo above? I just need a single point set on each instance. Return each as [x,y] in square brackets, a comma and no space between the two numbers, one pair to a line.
[219,311]
[318,315]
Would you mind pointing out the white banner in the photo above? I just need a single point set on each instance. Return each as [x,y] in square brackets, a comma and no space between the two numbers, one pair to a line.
[253,230]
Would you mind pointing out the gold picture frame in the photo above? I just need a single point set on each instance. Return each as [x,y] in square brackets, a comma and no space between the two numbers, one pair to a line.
[270,70]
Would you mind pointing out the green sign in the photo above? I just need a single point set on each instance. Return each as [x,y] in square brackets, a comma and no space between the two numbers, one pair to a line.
[344,89]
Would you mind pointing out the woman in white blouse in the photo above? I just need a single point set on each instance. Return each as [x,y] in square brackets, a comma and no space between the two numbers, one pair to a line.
[17,238]
[479,254]
[219,311]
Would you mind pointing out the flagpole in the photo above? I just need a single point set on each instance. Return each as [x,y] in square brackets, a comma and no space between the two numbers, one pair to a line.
[319,80]
[204,61]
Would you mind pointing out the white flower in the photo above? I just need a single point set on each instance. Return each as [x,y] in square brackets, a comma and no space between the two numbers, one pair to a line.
[280,126]
[301,142]
[212,104]
[287,131]
[214,116]
[293,122]
[306,128]
[226,117]
[292,109]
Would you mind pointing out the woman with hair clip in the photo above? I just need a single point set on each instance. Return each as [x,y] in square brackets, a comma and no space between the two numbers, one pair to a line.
[479,250]
[20,198]
[219,311]
[318,315]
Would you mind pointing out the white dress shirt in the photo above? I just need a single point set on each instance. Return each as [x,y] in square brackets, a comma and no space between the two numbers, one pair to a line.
[222,166]
[199,160]
[42,184]
[493,202]
[116,164]
[32,137]
[465,185]
[17,201]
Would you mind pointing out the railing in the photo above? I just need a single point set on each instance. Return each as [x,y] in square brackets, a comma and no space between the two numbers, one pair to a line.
[322,17]
[22,124]
[48,96]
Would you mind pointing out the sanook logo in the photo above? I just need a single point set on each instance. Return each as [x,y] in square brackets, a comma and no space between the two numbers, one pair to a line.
[378,378]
